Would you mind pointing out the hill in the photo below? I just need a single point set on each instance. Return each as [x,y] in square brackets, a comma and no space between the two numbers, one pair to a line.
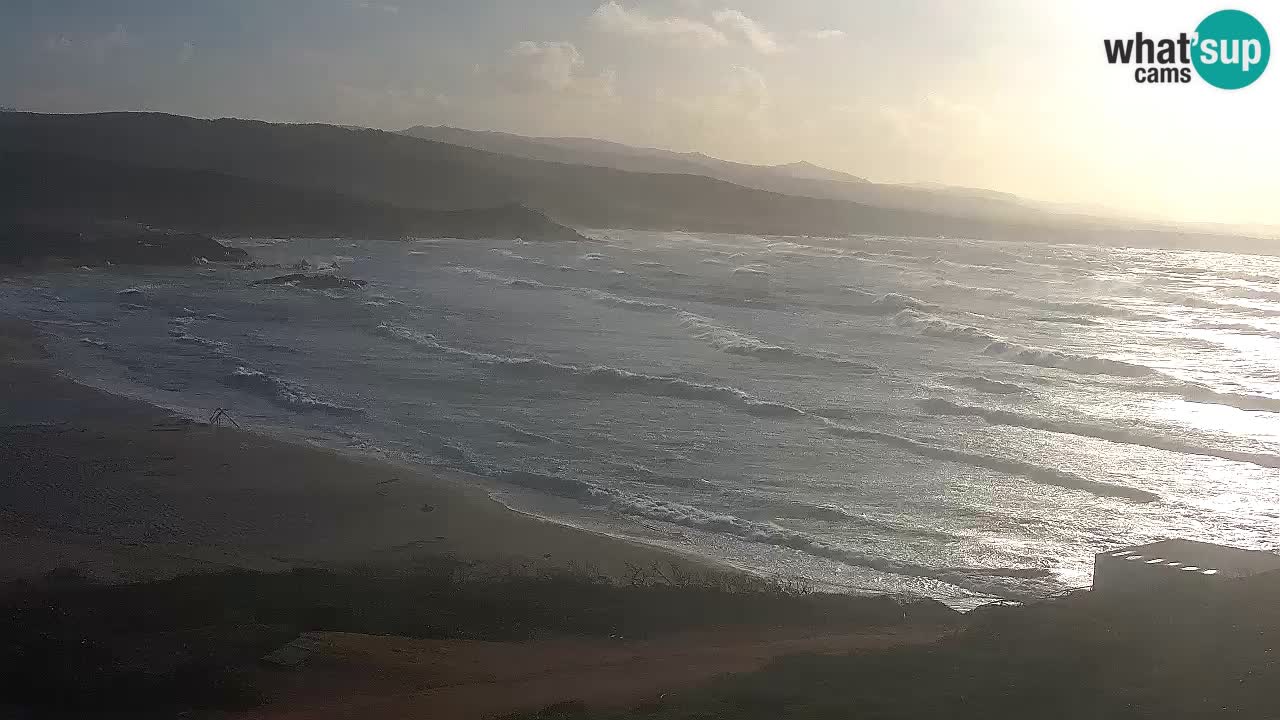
[44,184]
[411,173]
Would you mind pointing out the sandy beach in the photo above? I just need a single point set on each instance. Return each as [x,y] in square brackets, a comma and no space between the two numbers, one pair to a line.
[121,490]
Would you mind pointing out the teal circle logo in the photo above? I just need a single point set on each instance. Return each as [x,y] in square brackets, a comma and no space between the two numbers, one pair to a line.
[1232,49]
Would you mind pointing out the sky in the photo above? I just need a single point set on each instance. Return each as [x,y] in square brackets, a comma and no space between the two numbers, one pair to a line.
[1005,95]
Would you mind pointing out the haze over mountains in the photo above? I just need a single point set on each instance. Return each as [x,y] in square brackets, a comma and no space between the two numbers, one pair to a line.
[799,178]
[381,182]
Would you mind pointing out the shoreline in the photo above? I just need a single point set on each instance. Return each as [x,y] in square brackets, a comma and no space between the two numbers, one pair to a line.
[124,490]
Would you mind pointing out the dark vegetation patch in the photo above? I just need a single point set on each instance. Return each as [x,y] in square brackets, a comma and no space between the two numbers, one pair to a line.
[1204,653]
[94,244]
[192,642]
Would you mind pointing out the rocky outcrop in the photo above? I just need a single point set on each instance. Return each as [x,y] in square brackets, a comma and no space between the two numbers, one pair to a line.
[314,282]
[92,244]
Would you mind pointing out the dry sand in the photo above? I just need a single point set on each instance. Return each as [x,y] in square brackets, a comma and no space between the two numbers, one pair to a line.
[356,677]
[122,490]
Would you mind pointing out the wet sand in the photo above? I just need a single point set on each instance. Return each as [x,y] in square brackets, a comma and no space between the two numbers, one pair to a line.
[121,490]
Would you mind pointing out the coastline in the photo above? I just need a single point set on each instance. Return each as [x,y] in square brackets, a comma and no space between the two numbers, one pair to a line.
[122,490]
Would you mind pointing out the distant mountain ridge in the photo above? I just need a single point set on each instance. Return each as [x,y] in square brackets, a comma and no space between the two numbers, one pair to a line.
[801,178]
[410,174]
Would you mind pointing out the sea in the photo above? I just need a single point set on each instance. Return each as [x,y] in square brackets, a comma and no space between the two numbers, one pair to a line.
[959,419]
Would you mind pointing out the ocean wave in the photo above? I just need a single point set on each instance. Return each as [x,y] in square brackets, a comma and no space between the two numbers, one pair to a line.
[599,296]
[1239,327]
[494,277]
[701,328]
[1203,303]
[608,298]
[1010,583]
[1064,306]
[523,435]
[1253,277]
[1183,446]
[937,327]
[1250,293]
[736,343]
[892,302]
[834,513]
[1082,364]
[185,338]
[986,385]
[610,378]
[1208,396]
[1035,473]
[1066,320]
[283,393]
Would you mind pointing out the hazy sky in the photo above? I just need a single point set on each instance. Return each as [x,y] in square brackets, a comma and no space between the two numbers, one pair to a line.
[1013,96]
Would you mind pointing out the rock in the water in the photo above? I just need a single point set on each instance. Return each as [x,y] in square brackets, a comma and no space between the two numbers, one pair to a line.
[314,282]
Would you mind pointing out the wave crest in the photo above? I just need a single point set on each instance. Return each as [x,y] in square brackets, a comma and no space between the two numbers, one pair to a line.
[1083,364]
[283,393]
[1010,583]
[1035,473]
[736,343]
[938,406]
[611,378]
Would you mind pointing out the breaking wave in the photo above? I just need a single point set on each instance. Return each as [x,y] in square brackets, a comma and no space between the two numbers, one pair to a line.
[607,298]
[495,277]
[894,302]
[701,328]
[185,338]
[1035,473]
[1195,301]
[1078,308]
[986,385]
[737,343]
[522,435]
[990,581]
[610,378]
[1082,364]
[834,513]
[283,393]
[1200,394]
[1066,320]
[939,406]
[937,327]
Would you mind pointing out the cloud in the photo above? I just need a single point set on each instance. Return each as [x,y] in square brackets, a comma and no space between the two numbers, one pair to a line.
[532,66]
[753,32]
[381,6]
[743,97]
[557,67]
[747,90]
[677,31]
[935,117]
[825,35]
[98,46]
[735,114]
